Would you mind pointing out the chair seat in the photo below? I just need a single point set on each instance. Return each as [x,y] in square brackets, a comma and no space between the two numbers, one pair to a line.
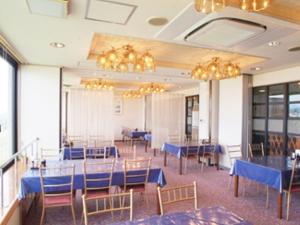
[97,193]
[134,187]
[58,200]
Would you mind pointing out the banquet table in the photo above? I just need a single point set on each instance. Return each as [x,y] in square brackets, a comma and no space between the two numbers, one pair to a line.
[30,182]
[179,149]
[79,154]
[273,171]
[205,216]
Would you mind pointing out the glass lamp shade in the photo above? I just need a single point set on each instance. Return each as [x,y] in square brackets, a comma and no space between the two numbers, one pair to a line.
[208,6]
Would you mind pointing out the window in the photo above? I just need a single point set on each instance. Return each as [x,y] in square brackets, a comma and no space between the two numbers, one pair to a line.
[276,117]
[8,68]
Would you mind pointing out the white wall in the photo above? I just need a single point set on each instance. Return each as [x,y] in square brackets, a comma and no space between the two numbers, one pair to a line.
[230,114]
[133,115]
[39,111]
[280,76]
[204,110]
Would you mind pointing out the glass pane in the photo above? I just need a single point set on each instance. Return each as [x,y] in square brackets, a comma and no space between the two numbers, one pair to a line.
[6,106]
[276,93]
[275,125]
[293,142]
[294,92]
[259,124]
[276,110]
[259,111]
[294,126]
[259,95]
[258,137]
[294,110]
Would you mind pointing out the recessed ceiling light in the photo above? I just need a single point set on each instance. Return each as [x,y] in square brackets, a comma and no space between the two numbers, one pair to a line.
[157,21]
[273,43]
[57,45]
[256,68]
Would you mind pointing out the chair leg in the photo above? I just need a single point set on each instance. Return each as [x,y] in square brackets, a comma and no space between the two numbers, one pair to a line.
[267,200]
[42,216]
[202,166]
[73,214]
[230,182]
[288,205]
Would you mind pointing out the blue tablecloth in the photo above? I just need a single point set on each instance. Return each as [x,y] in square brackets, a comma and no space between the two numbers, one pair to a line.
[78,152]
[30,182]
[147,137]
[274,171]
[137,134]
[204,216]
[180,149]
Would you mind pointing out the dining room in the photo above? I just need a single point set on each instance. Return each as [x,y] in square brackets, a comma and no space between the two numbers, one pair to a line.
[132,112]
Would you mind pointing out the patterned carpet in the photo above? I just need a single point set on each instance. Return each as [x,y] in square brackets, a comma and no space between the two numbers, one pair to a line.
[212,191]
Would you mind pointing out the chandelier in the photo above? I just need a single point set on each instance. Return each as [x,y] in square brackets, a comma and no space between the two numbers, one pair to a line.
[145,89]
[97,84]
[126,58]
[255,5]
[216,70]
[132,94]
[208,6]
[151,88]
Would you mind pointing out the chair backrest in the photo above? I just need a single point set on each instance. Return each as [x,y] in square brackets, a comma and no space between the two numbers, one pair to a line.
[174,138]
[136,172]
[209,147]
[76,153]
[98,174]
[295,176]
[93,140]
[114,202]
[49,153]
[96,152]
[172,195]
[256,150]
[234,152]
[57,181]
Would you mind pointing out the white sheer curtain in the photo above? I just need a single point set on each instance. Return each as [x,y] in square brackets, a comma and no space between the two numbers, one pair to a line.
[167,117]
[90,112]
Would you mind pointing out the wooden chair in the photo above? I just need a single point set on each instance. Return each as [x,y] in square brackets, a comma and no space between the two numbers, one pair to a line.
[96,152]
[52,154]
[208,153]
[256,150]
[93,140]
[57,188]
[97,177]
[294,185]
[167,196]
[116,202]
[76,153]
[191,153]
[136,173]
[234,153]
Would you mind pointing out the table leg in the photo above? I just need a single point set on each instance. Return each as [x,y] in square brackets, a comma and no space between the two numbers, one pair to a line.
[180,166]
[165,158]
[279,205]
[217,160]
[154,152]
[158,205]
[146,146]
[236,186]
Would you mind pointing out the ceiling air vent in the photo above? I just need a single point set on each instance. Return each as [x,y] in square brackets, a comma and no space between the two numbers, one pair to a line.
[224,32]
[57,8]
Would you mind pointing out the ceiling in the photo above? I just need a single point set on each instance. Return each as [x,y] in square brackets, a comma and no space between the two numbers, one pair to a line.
[31,35]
